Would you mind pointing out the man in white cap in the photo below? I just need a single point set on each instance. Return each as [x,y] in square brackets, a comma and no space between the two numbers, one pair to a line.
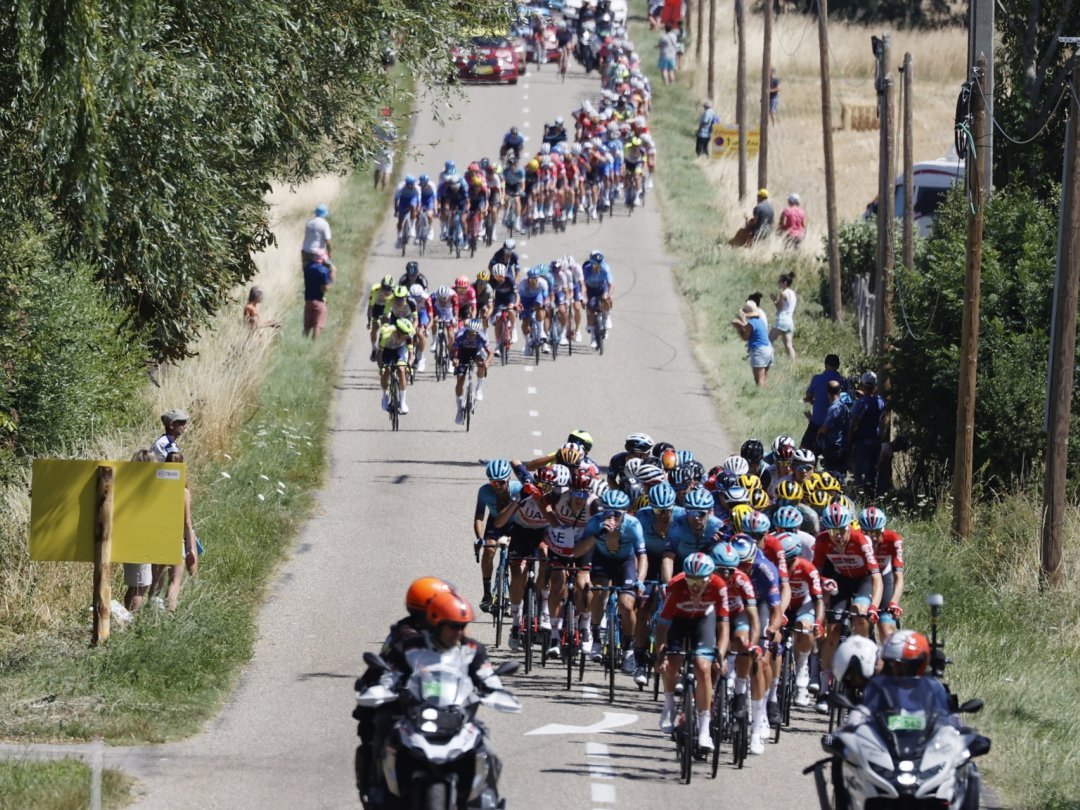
[864,434]
[175,423]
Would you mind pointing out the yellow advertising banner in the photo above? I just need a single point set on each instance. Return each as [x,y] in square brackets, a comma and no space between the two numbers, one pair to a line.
[148,511]
[725,141]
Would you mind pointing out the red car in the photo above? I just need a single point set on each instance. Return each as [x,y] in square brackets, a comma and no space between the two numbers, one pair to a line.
[486,59]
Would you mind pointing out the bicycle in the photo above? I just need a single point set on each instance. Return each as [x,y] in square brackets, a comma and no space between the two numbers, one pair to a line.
[405,232]
[555,338]
[500,593]
[570,635]
[489,226]
[612,651]
[423,231]
[455,236]
[720,720]
[503,334]
[652,673]
[740,725]
[470,403]
[535,343]
[599,322]
[442,353]
[474,232]
[394,396]
[529,612]
[564,63]
[686,731]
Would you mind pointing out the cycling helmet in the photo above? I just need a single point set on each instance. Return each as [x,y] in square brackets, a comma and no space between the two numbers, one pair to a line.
[844,500]
[473,167]
[817,498]
[669,460]
[905,653]
[509,244]
[322,210]
[498,271]
[803,456]
[790,544]
[387,283]
[570,454]
[783,447]
[872,519]
[681,478]
[856,655]
[660,448]
[630,469]
[736,494]
[401,291]
[485,163]
[615,499]
[410,180]
[662,496]
[836,516]
[405,325]
[416,291]
[443,293]
[449,607]
[787,518]
[474,325]
[751,482]
[558,120]
[756,523]
[651,474]
[461,281]
[828,482]
[535,272]
[599,487]
[449,167]
[684,457]
[424,179]
[483,274]
[638,443]
[739,512]
[581,479]
[789,491]
[726,556]
[698,565]
[759,499]
[699,499]
[412,267]
[697,470]
[557,475]
[582,437]
[499,470]
[752,450]
[736,465]
[597,256]
[422,591]
[745,547]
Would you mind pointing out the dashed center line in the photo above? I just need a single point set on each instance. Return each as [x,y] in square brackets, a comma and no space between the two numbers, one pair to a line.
[599,768]
[537,433]
[531,389]
[603,794]
[537,451]
[534,413]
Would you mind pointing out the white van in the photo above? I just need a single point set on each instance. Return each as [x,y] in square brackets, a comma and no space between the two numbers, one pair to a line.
[933,179]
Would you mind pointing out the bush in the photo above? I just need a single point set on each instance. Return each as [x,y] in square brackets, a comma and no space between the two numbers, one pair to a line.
[858,256]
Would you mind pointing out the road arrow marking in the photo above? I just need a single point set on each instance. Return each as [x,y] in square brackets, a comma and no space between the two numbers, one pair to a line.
[611,721]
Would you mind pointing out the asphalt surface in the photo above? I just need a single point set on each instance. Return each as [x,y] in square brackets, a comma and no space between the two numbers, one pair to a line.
[399,505]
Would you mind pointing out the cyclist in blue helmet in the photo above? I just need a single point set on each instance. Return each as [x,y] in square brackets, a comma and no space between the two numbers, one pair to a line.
[745,625]
[492,497]
[695,529]
[596,276]
[406,207]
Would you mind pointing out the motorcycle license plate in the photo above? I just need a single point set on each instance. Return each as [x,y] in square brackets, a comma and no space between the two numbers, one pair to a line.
[484,70]
[906,722]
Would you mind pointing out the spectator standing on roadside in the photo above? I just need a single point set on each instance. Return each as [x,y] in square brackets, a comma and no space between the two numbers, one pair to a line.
[137,576]
[832,433]
[817,395]
[785,302]
[316,235]
[762,216]
[864,434]
[704,128]
[752,327]
[318,275]
[669,49]
[792,225]
[252,318]
[655,8]
[774,95]
[175,423]
[188,549]
[384,166]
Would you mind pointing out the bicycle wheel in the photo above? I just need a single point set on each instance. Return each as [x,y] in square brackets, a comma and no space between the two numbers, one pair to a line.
[526,633]
[497,603]
[740,741]
[570,639]
[787,684]
[468,405]
[536,348]
[688,731]
[716,721]
[612,657]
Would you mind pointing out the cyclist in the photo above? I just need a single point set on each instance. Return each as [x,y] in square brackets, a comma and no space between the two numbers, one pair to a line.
[406,206]
[753,451]
[779,460]
[476,183]
[514,181]
[634,156]
[455,202]
[512,146]
[493,178]
[563,285]
[745,627]
[412,274]
[789,519]
[845,555]
[491,498]
[484,294]
[564,38]
[469,346]
[444,308]
[507,257]
[528,526]
[889,550]
[555,133]
[637,445]
[655,520]
[695,529]
[422,306]
[613,544]
[395,339]
[428,196]
[380,295]
[505,298]
[533,294]
[806,613]
[694,616]
[466,298]
[598,288]
[578,281]
[449,170]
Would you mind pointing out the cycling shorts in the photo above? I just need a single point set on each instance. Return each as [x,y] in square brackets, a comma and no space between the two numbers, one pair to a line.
[633,167]
[524,540]
[801,612]
[740,622]
[849,593]
[492,533]
[889,582]
[513,189]
[465,356]
[700,632]
[621,573]
[395,357]
[560,297]
[478,203]
[531,303]
[423,317]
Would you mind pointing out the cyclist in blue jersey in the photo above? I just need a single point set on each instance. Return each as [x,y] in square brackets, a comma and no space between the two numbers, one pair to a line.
[598,286]
[553,290]
[453,198]
[507,257]
[513,143]
[469,346]
[428,194]
[533,294]
[696,529]
[618,558]
[491,498]
[656,520]
[406,206]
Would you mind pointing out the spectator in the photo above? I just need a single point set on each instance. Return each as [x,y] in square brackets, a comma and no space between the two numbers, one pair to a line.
[655,8]
[752,327]
[175,423]
[774,95]
[137,576]
[669,48]
[318,275]
[785,302]
[864,434]
[832,433]
[817,395]
[885,463]
[252,318]
[316,236]
[761,218]
[384,166]
[792,225]
[188,548]
[705,127]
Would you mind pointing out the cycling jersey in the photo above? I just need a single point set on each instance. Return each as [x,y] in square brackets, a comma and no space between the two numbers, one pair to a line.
[378,299]
[889,551]
[488,502]
[681,604]
[506,293]
[631,542]
[774,553]
[740,593]
[572,515]
[855,560]
[468,341]
[505,257]
[597,278]
[427,197]
[465,298]
[406,199]
[407,281]
[655,543]
[483,292]
[444,310]
[532,296]
[766,579]
[682,542]
[805,581]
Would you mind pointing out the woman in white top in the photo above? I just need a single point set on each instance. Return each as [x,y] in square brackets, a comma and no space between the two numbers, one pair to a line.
[785,302]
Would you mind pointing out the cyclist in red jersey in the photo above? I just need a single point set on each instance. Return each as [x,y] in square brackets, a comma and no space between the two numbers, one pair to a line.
[889,550]
[847,556]
[743,619]
[695,614]
[806,615]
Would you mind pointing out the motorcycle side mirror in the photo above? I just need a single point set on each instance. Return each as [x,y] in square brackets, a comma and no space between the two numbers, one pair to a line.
[832,744]
[375,661]
[841,701]
[971,706]
[979,746]
[507,668]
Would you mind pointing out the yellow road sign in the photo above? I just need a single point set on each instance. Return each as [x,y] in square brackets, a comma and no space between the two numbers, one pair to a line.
[725,141]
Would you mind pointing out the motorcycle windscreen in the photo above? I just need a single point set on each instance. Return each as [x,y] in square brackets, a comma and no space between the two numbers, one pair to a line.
[909,709]
[440,679]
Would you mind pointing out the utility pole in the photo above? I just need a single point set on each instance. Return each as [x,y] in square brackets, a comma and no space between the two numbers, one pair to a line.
[712,47]
[969,334]
[886,214]
[1062,348]
[909,165]
[763,127]
[700,28]
[981,42]
[740,93]
[835,293]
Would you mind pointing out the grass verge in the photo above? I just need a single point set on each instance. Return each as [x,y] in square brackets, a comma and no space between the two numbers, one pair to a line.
[1015,647]
[60,785]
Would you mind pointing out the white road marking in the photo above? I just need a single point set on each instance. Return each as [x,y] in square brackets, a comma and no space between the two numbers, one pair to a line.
[598,770]
[534,413]
[595,749]
[537,452]
[525,97]
[590,691]
[531,389]
[525,109]
[527,368]
[603,794]
[611,721]
[537,433]
[525,125]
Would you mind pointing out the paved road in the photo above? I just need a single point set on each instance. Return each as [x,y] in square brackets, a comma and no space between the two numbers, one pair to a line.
[397,506]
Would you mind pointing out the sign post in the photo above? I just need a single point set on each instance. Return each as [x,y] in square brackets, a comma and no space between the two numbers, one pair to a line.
[103,528]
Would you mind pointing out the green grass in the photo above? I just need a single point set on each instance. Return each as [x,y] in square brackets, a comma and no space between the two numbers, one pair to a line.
[1013,646]
[60,785]
[167,674]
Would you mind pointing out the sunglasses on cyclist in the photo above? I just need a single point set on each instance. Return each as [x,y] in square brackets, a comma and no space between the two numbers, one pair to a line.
[696,513]
[804,467]
[683,487]
[837,532]
[498,482]
[612,514]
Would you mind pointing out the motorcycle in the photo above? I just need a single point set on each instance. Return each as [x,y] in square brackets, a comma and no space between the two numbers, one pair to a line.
[435,756]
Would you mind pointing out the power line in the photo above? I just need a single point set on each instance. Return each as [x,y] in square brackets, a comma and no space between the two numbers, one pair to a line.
[1046,122]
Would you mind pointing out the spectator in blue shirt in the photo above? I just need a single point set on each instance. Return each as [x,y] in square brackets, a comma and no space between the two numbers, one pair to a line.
[864,434]
[832,434]
[318,275]
[704,128]
[817,395]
